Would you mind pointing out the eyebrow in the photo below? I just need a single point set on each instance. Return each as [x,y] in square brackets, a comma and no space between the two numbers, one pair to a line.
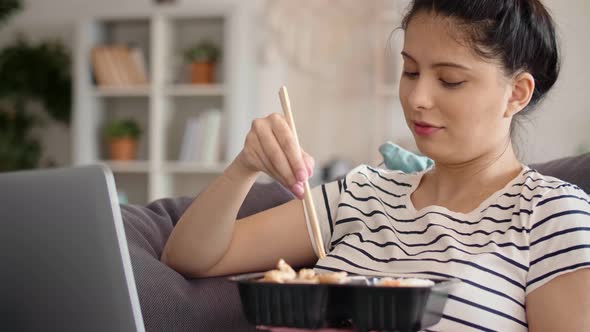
[438,64]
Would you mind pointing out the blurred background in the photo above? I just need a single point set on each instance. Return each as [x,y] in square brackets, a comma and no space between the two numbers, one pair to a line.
[164,92]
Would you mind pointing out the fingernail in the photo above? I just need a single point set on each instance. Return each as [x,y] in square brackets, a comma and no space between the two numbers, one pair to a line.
[301,175]
[309,172]
[297,189]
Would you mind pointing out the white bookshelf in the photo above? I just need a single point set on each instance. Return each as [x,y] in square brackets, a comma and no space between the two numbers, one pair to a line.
[192,167]
[122,92]
[162,107]
[195,90]
[128,166]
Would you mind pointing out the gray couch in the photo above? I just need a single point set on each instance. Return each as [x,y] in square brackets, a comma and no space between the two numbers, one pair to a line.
[169,302]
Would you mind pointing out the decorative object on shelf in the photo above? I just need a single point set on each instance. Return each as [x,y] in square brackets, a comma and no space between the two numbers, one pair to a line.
[31,72]
[202,58]
[122,136]
[120,66]
[201,140]
[164,106]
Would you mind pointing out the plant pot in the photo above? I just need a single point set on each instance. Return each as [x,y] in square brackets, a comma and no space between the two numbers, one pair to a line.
[122,148]
[202,72]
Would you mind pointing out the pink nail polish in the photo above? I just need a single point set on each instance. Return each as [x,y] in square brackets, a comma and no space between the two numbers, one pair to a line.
[301,176]
[298,189]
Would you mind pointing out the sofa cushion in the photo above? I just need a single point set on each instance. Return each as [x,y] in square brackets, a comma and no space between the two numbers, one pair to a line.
[575,170]
[169,302]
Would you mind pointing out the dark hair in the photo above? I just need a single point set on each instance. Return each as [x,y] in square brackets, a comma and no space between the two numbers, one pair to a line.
[518,33]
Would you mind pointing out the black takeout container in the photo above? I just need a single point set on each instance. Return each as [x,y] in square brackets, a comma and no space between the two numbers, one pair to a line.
[358,303]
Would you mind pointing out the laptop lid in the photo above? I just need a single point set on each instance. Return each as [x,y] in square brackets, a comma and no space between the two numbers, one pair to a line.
[65,261]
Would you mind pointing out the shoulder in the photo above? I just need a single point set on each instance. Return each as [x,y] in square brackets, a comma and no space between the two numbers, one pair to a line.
[545,189]
[555,200]
[372,172]
[376,175]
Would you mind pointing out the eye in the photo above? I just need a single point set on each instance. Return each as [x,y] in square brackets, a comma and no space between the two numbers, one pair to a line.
[409,74]
[451,84]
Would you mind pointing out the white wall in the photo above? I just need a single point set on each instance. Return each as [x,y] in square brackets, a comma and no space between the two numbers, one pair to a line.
[559,128]
[562,124]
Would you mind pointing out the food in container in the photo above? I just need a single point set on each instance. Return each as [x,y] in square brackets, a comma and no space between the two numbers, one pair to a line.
[307,299]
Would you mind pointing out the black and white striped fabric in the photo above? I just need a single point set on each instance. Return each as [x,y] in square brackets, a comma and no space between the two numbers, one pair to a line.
[533,230]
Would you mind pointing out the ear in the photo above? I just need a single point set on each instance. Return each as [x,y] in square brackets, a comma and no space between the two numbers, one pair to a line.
[523,87]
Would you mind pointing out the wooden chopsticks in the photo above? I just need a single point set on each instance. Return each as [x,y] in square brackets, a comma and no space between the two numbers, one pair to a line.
[307,199]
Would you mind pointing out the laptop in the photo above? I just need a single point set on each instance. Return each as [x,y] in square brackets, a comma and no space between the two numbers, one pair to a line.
[65,261]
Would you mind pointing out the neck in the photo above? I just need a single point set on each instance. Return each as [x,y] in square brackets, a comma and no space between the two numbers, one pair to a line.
[480,176]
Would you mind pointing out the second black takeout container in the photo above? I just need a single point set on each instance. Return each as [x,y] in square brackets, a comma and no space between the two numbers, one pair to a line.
[358,303]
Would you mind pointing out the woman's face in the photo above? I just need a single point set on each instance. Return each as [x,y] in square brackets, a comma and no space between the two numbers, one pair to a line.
[454,101]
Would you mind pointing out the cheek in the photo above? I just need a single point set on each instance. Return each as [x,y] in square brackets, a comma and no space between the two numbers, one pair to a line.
[475,116]
[457,108]
[405,89]
[403,96]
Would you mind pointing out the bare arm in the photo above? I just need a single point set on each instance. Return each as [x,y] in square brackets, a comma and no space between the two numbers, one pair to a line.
[208,241]
[563,304]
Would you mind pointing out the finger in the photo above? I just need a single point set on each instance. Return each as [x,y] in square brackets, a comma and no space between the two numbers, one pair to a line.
[269,168]
[276,155]
[296,189]
[309,162]
[256,146]
[249,154]
[284,135]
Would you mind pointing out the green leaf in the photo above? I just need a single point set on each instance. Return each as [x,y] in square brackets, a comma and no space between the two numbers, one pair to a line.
[8,8]
[38,72]
[203,51]
[123,128]
[18,151]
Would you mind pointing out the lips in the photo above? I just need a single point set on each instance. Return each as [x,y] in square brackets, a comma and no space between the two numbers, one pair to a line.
[425,128]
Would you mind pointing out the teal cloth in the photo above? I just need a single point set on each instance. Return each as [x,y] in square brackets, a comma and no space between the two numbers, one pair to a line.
[399,159]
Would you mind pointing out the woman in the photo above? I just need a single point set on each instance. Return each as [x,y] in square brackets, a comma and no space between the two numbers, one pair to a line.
[518,240]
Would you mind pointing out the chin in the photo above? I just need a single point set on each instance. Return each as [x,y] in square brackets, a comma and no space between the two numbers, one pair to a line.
[427,148]
[439,153]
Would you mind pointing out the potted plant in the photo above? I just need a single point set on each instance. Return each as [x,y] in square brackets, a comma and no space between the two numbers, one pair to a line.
[202,58]
[122,136]
[31,73]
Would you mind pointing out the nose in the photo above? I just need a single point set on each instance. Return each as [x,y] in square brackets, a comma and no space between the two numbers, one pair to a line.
[420,95]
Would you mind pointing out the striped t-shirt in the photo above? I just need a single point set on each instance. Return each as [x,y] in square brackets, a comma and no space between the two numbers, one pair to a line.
[534,229]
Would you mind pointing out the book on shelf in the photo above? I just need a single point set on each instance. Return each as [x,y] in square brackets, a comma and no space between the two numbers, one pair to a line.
[201,140]
[121,64]
[212,135]
[116,65]
[101,64]
[140,66]
[185,146]
[190,140]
